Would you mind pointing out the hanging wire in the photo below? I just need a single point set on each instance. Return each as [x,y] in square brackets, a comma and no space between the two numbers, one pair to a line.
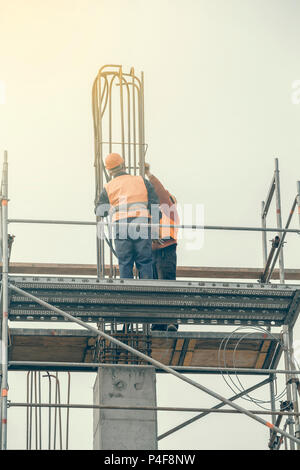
[240,388]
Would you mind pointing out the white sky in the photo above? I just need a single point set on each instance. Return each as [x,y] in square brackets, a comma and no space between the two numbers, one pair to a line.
[218,110]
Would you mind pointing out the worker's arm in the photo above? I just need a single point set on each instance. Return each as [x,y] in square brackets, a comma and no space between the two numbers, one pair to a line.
[152,196]
[153,202]
[163,194]
[103,204]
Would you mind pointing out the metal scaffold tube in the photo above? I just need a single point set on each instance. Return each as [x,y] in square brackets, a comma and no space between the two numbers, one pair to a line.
[281,243]
[133,407]
[157,364]
[4,349]
[179,226]
[294,382]
[285,338]
[278,216]
[264,234]
[39,365]
[298,199]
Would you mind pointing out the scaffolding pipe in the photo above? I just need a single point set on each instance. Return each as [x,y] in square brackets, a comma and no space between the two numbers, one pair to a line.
[188,227]
[4,385]
[285,340]
[184,369]
[149,408]
[282,239]
[298,199]
[269,197]
[264,234]
[294,382]
[68,411]
[275,244]
[278,216]
[272,397]
[155,363]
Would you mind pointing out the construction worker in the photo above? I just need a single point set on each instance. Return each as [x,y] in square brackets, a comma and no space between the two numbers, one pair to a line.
[129,200]
[164,249]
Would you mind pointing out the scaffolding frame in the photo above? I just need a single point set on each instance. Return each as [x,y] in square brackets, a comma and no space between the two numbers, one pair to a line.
[5,285]
[102,100]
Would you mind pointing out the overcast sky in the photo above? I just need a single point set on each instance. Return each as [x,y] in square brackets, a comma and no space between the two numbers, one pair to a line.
[219,107]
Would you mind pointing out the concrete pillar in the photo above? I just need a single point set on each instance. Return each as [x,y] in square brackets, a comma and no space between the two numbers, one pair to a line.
[128,385]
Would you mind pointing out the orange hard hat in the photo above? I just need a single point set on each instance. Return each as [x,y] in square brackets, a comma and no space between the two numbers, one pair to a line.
[113,160]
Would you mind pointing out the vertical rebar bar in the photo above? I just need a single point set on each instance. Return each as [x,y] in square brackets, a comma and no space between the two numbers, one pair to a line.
[4,346]
[129,127]
[59,412]
[133,121]
[278,216]
[142,143]
[49,416]
[122,114]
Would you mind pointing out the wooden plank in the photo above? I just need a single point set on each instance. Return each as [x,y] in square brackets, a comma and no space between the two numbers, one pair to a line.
[177,351]
[182,271]
[262,354]
[189,354]
[210,358]
[51,345]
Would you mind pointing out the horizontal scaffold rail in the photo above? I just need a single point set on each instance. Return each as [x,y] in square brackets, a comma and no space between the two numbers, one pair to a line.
[156,301]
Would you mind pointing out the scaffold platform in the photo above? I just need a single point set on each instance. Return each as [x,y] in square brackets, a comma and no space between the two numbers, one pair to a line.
[149,301]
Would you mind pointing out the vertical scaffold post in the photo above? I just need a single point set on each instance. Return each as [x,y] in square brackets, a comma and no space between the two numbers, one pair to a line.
[294,382]
[286,348]
[264,233]
[298,199]
[279,219]
[1,319]
[4,346]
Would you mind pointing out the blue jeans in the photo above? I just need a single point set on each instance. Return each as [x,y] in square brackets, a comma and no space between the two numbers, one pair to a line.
[137,251]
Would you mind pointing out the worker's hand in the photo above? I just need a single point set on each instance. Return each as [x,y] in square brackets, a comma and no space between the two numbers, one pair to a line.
[147,169]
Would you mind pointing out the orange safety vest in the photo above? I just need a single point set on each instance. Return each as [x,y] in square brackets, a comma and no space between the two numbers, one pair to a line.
[168,232]
[128,197]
